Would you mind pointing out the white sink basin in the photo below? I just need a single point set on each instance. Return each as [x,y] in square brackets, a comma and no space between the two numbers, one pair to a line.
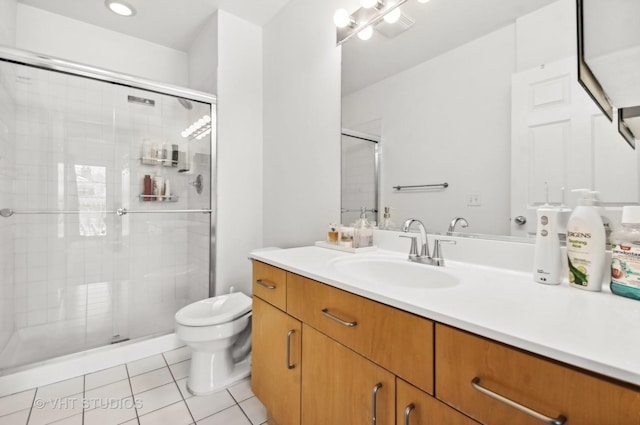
[394,271]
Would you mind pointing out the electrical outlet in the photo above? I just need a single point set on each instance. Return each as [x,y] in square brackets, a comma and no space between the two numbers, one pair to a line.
[473,200]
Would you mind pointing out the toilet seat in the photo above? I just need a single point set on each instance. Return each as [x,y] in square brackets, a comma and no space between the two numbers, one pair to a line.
[215,310]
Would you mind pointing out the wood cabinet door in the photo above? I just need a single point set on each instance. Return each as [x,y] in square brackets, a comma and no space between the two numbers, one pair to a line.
[415,407]
[339,385]
[276,362]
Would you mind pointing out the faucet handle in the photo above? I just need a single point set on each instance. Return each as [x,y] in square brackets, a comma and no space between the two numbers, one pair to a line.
[413,251]
[437,250]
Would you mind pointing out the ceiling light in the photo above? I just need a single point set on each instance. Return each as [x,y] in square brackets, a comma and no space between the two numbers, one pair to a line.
[341,18]
[366,33]
[368,3]
[393,16]
[423,1]
[120,7]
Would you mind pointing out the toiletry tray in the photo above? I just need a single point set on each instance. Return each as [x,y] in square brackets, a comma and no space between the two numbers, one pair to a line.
[328,245]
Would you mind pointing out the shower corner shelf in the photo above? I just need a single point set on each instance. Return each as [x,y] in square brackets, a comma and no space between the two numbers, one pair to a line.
[156,162]
[154,198]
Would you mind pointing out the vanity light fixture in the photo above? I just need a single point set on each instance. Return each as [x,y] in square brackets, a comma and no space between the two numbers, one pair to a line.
[366,33]
[368,3]
[363,19]
[120,7]
[393,16]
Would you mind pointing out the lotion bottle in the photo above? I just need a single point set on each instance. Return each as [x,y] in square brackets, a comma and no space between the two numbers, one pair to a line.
[586,243]
[548,258]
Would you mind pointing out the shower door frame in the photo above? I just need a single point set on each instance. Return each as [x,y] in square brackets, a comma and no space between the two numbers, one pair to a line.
[38,60]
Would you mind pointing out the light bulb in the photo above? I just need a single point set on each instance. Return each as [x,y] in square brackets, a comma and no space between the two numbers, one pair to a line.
[368,3]
[122,8]
[366,33]
[393,16]
[341,18]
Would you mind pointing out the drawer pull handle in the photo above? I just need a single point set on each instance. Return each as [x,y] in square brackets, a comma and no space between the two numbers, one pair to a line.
[289,365]
[407,412]
[325,312]
[374,403]
[560,420]
[265,285]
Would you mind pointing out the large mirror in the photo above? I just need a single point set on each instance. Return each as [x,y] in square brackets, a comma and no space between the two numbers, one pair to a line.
[483,96]
[609,58]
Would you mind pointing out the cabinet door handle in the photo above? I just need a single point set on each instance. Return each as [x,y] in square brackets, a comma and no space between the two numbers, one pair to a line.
[325,312]
[374,399]
[265,285]
[289,365]
[407,412]
[560,420]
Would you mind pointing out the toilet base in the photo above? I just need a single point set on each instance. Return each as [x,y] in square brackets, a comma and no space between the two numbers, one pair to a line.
[201,384]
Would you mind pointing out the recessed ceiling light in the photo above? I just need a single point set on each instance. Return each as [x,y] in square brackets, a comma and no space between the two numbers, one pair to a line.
[122,8]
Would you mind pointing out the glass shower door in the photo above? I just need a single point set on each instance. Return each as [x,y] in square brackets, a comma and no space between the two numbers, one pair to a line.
[92,259]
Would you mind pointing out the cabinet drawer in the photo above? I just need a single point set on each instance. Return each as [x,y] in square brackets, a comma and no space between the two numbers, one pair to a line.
[398,341]
[415,407]
[539,384]
[270,284]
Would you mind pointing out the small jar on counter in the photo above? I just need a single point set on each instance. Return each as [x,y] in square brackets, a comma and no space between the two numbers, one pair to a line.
[346,237]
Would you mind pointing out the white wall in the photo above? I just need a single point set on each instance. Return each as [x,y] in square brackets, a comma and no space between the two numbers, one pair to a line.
[203,57]
[8,14]
[240,102]
[446,120]
[301,123]
[546,35]
[44,32]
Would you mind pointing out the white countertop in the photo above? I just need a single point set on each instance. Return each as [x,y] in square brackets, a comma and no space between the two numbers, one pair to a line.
[597,331]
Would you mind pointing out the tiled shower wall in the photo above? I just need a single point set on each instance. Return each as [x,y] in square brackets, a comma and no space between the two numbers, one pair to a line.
[89,277]
[7,176]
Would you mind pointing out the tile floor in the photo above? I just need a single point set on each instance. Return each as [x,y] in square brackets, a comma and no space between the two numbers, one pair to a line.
[150,391]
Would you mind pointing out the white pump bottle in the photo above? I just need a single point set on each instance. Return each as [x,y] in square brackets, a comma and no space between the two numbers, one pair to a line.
[586,243]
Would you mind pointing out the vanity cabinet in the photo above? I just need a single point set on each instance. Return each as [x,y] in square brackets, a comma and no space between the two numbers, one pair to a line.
[276,348]
[544,386]
[322,355]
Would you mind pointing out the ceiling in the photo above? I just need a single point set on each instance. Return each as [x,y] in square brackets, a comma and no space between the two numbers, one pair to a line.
[171,23]
[440,26]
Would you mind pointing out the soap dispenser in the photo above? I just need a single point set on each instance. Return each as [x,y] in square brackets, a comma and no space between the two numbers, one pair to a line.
[386,223]
[586,243]
[363,231]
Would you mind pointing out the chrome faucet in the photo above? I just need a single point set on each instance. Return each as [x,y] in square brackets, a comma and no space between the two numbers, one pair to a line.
[424,257]
[454,222]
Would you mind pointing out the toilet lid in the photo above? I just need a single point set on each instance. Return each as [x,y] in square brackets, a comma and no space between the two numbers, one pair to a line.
[214,311]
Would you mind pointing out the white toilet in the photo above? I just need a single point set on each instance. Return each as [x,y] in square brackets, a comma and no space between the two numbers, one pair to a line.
[218,331]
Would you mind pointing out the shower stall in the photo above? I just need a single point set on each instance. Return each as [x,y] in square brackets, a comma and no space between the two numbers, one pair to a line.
[106,198]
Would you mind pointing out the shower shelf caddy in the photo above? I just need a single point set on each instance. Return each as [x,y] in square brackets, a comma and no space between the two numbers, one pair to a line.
[163,198]
[158,161]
